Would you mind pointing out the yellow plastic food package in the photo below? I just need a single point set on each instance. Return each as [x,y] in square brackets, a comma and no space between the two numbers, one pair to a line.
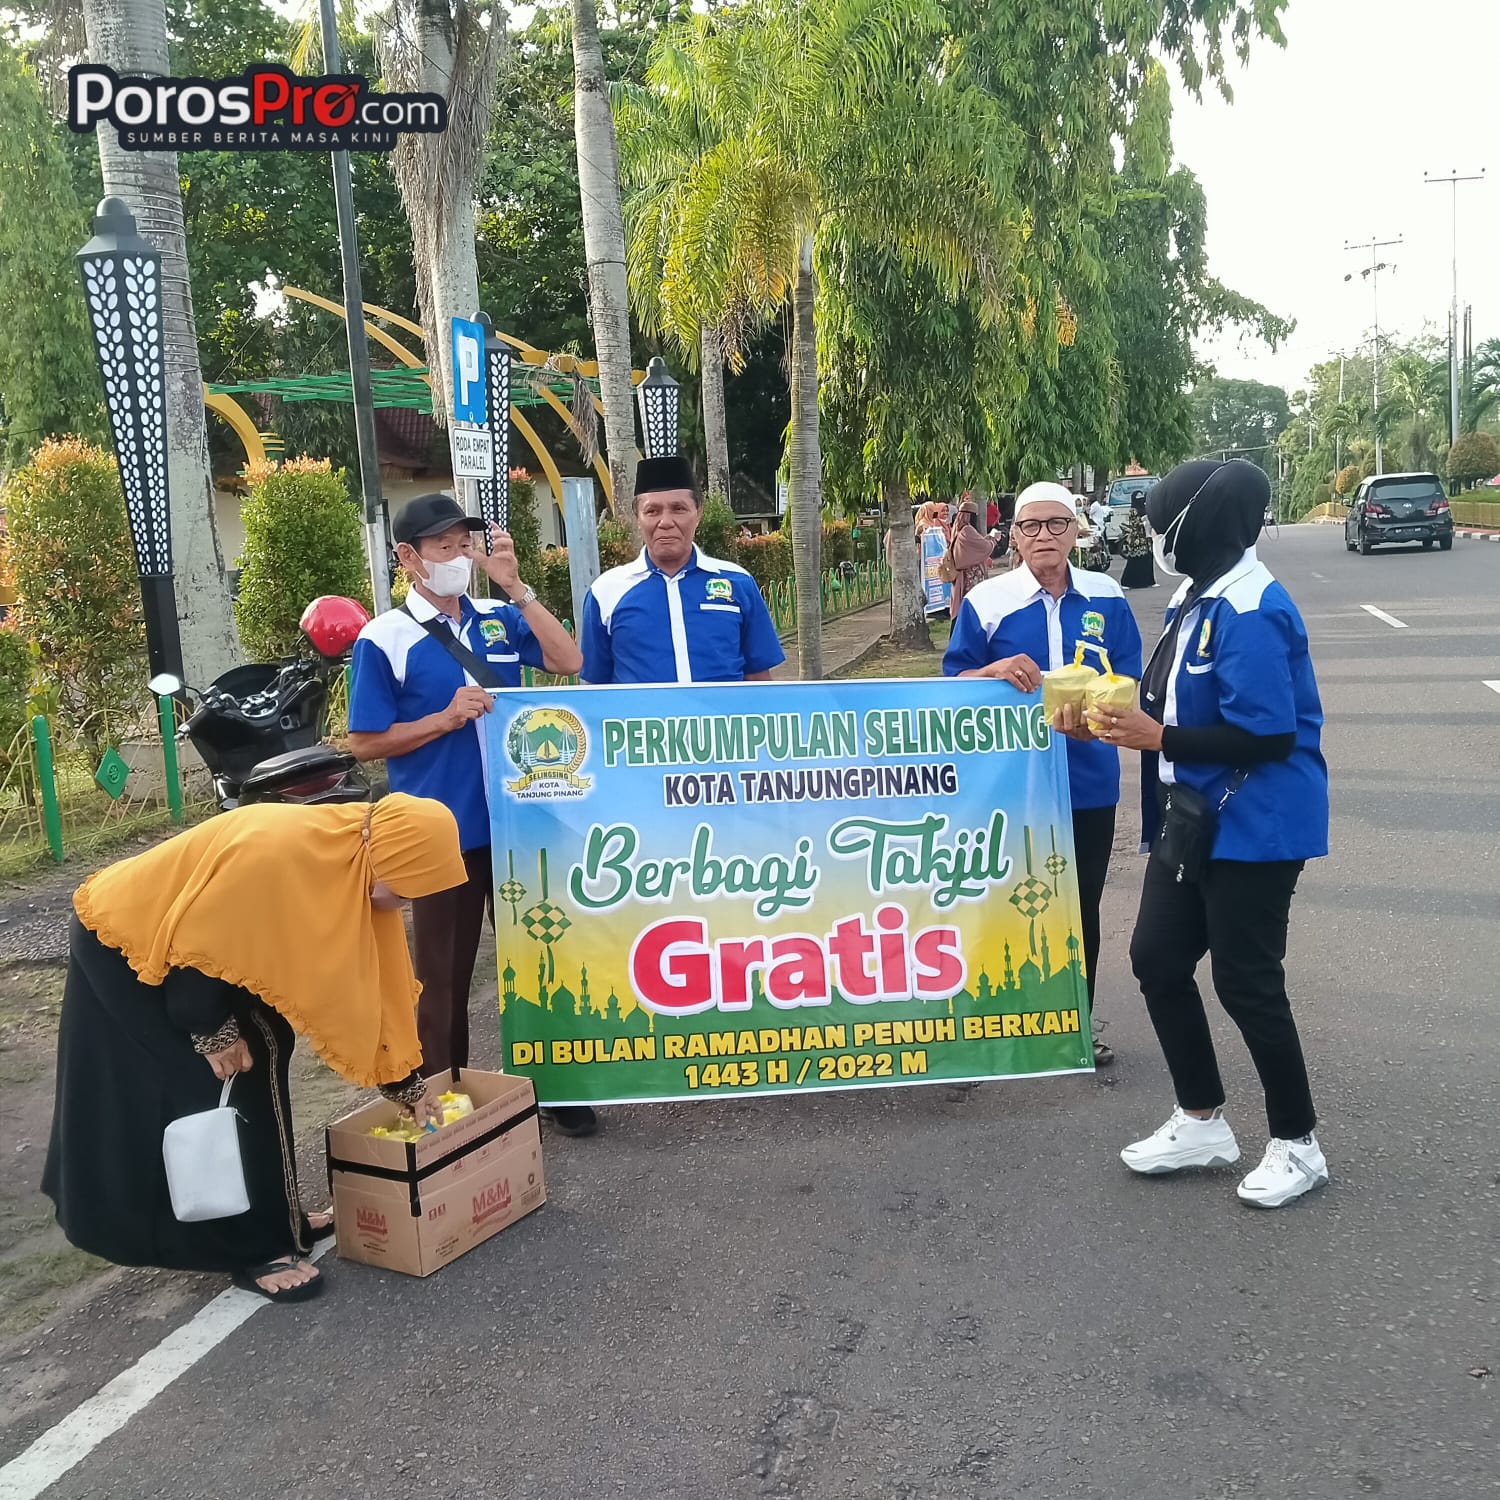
[402,1130]
[1066,685]
[455,1106]
[1109,689]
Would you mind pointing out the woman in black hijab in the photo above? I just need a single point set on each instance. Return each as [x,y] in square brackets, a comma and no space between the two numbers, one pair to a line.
[1235,801]
[1135,546]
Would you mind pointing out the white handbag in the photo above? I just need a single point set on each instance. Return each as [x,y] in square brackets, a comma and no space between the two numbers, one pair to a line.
[205,1174]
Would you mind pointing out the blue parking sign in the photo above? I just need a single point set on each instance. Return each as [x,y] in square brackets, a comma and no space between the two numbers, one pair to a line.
[469,403]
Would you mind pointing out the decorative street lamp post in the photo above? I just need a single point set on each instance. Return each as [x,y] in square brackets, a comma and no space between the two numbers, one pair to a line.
[122,282]
[657,396]
[494,492]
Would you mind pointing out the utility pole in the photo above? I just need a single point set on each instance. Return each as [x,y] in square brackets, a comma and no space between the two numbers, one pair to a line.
[1372,273]
[359,345]
[1453,180]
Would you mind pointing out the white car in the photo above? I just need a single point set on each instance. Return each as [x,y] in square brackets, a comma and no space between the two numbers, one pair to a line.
[1120,491]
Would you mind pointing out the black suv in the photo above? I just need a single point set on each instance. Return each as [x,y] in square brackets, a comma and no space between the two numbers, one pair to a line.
[1399,508]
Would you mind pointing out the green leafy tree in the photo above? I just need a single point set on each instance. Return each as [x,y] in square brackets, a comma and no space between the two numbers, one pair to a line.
[48,379]
[818,125]
[70,557]
[1242,417]
[1474,457]
[302,539]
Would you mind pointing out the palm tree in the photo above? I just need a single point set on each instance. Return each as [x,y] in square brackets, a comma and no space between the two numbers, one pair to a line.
[803,136]
[443,47]
[130,36]
[663,133]
[1414,397]
[1481,395]
[604,247]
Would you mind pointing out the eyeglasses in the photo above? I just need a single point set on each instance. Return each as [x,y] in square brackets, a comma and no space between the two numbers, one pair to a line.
[1056,525]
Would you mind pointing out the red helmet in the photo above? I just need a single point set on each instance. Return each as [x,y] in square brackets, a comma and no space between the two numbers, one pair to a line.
[332,622]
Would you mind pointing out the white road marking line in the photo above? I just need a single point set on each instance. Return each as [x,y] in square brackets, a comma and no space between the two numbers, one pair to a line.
[1320,578]
[1380,614]
[1495,686]
[67,1444]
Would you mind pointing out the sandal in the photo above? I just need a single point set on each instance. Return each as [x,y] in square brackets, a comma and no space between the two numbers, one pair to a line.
[1104,1054]
[247,1280]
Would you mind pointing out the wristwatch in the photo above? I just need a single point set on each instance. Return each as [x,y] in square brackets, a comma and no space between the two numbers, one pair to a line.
[529,597]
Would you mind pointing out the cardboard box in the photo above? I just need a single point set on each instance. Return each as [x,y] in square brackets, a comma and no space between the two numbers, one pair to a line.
[413,1206]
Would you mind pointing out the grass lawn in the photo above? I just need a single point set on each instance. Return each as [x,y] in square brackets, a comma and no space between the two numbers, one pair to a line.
[891,661]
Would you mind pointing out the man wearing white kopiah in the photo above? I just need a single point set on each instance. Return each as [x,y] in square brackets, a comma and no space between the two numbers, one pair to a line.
[674,614]
[1040,612]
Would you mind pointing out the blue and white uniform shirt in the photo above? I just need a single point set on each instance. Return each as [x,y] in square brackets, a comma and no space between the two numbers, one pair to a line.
[707,623]
[1242,659]
[401,674]
[1012,615]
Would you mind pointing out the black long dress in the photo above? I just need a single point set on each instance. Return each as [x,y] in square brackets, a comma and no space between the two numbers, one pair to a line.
[126,1066]
[1135,542]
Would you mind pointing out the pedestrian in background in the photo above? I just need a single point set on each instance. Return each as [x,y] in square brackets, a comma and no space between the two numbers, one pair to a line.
[1135,546]
[1236,801]
[968,554]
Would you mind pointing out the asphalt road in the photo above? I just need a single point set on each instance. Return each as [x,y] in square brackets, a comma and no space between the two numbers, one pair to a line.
[938,1292]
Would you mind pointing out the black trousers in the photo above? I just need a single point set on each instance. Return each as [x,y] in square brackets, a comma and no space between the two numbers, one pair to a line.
[445,943]
[1238,916]
[1093,839]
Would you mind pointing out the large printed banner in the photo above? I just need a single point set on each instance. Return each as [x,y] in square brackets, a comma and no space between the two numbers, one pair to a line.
[767,888]
[937,589]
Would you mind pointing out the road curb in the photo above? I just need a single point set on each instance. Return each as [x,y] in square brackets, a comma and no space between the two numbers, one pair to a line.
[1477,536]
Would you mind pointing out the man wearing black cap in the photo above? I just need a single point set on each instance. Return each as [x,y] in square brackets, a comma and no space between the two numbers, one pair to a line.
[422,675]
[675,614]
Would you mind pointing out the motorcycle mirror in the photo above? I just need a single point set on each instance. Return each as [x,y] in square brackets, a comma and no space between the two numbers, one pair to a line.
[165,685]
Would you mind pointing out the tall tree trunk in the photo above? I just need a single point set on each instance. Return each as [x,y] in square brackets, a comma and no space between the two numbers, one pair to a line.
[908,597]
[130,36]
[715,421]
[806,480]
[440,47]
[604,248]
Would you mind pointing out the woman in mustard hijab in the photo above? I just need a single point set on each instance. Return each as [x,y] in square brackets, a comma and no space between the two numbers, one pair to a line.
[204,959]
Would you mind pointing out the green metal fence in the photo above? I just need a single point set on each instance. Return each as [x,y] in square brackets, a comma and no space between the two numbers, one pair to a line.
[841,590]
[80,789]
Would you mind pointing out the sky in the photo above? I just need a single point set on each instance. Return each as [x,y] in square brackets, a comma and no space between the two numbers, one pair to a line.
[1327,141]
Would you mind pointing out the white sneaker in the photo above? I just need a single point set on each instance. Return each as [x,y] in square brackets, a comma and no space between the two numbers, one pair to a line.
[1286,1171]
[1184,1141]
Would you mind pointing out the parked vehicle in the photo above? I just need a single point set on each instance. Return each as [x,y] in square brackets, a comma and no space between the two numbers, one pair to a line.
[1392,508]
[1120,491]
[259,728]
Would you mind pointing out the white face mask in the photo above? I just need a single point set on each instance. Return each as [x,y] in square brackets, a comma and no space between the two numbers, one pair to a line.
[1164,547]
[1165,560]
[449,578]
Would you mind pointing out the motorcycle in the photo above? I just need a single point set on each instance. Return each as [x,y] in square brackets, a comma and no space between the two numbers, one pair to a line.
[259,728]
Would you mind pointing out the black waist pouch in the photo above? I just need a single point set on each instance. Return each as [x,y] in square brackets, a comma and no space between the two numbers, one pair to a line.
[1185,842]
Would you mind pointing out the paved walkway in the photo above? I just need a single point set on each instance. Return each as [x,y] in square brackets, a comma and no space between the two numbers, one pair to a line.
[846,641]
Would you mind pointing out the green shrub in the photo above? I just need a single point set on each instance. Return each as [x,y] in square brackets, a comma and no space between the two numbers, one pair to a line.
[838,543]
[616,545]
[1475,456]
[521,520]
[767,558]
[1347,480]
[302,539]
[553,583]
[72,563]
[718,530]
[15,687]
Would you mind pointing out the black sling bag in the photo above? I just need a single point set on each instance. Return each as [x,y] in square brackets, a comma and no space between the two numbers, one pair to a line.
[480,671]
